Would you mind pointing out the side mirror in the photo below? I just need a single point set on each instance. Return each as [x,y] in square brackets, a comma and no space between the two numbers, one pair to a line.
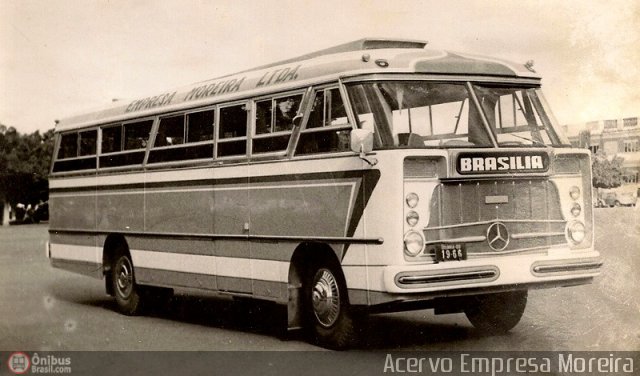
[362,143]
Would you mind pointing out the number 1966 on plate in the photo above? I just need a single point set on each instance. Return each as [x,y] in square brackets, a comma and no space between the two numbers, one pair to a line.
[451,252]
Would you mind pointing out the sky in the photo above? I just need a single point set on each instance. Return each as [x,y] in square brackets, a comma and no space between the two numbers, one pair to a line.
[62,58]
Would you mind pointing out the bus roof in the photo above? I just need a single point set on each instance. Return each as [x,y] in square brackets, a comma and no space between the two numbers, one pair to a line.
[365,56]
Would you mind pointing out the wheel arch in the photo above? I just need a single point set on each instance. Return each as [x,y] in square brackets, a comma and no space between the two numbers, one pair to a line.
[306,256]
[112,244]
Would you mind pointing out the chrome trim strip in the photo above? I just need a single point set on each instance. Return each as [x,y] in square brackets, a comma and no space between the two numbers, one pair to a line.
[495,220]
[567,267]
[273,238]
[457,276]
[447,277]
[466,239]
[528,235]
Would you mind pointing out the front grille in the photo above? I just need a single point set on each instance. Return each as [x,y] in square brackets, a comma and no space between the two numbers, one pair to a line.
[463,211]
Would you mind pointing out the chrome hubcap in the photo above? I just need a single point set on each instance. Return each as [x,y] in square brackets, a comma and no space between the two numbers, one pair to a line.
[325,298]
[124,280]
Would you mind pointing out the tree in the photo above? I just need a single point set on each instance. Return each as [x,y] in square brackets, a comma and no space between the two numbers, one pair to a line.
[607,173]
[24,165]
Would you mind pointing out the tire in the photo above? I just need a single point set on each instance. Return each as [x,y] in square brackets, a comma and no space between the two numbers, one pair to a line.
[328,314]
[496,313]
[616,204]
[129,297]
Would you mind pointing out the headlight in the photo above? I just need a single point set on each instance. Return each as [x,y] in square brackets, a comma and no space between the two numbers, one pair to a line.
[412,200]
[413,243]
[576,209]
[574,192]
[412,218]
[576,232]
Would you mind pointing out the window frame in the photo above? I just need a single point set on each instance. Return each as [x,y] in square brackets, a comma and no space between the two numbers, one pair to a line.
[313,90]
[154,119]
[213,108]
[630,122]
[631,146]
[60,146]
[77,157]
[97,140]
[217,140]
[273,98]
[186,144]
[156,132]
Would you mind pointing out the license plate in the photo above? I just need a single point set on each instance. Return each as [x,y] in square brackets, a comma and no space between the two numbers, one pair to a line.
[451,252]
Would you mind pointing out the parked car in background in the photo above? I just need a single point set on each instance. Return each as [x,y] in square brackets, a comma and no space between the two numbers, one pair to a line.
[620,199]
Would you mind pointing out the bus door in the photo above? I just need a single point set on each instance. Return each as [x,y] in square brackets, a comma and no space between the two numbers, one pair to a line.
[231,200]
[272,200]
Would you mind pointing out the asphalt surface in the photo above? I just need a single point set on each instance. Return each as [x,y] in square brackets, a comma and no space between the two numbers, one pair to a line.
[42,308]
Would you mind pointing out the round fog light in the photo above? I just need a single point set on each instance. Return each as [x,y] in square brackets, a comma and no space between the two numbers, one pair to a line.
[413,243]
[576,232]
[574,192]
[412,218]
[576,209]
[412,200]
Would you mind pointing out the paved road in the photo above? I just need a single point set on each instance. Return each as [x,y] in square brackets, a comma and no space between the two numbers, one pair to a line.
[48,309]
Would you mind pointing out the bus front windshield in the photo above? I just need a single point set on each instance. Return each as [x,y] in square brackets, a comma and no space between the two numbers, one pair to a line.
[437,114]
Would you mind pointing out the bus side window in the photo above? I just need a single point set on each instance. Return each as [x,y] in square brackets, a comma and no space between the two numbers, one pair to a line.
[200,126]
[286,109]
[337,114]
[327,128]
[77,151]
[184,137]
[264,116]
[136,134]
[274,123]
[316,117]
[68,146]
[232,131]
[111,139]
[88,141]
[170,131]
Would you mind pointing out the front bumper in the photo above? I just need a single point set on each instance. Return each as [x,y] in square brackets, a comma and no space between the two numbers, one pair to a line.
[508,270]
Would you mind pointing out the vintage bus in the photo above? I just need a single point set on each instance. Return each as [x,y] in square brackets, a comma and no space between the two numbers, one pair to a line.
[374,176]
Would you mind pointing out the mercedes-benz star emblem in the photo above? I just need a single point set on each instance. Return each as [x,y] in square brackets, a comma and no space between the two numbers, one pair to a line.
[497,236]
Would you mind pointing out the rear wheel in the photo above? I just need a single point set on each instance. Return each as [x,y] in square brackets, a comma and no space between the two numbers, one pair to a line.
[496,313]
[328,313]
[127,293]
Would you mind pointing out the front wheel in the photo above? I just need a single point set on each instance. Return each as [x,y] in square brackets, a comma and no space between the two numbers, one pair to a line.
[496,313]
[329,317]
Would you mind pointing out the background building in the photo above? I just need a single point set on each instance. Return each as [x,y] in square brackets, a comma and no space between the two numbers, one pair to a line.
[613,137]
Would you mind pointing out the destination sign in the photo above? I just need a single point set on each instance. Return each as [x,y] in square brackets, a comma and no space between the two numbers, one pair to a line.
[502,162]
